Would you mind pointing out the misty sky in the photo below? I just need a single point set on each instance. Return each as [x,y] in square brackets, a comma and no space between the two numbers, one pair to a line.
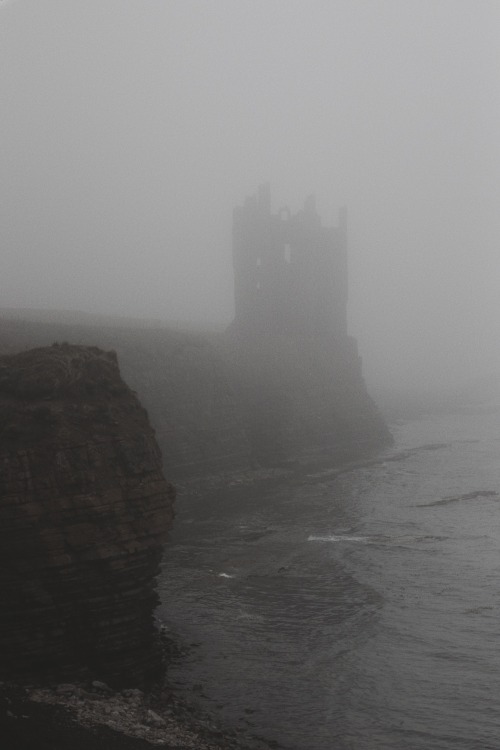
[130,128]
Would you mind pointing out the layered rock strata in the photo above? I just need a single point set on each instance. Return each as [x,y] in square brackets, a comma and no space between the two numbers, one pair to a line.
[84,513]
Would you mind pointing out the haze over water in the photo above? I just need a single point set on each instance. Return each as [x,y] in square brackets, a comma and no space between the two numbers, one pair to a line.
[356,611]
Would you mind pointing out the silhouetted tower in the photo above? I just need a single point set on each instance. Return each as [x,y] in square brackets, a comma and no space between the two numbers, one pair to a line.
[290,272]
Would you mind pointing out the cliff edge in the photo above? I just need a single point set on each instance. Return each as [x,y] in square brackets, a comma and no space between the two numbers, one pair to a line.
[84,513]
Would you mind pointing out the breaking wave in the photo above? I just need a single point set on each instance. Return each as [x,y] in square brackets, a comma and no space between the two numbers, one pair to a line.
[337,538]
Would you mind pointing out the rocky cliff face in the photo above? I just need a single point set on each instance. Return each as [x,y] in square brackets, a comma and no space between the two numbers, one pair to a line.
[303,395]
[84,512]
[180,378]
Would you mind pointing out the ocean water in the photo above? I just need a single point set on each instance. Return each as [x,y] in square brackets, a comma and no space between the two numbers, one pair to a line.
[354,610]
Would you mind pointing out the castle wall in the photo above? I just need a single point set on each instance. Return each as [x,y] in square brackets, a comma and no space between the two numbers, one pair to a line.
[290,271]
[296,372]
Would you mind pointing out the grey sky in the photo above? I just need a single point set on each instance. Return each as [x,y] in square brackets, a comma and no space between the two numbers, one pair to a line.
[130,128]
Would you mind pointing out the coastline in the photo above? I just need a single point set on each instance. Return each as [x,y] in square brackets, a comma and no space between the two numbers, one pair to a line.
[91,716]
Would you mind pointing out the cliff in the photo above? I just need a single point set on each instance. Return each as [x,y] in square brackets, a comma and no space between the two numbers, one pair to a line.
[303,397]
[181,379]
[84,513]
[233,400]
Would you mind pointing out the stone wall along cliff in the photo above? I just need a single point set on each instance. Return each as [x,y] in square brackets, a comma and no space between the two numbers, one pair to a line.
[84,513]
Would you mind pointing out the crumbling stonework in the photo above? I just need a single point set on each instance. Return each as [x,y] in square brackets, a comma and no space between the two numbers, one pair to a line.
[290,271]
[84,512]
[295,370]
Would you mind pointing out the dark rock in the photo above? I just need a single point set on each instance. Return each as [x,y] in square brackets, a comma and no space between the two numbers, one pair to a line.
[153,718]
[66,689]
[84,513]
[101,686]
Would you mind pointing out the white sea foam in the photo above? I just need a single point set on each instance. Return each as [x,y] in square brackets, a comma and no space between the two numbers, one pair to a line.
[336,538]
[225,575]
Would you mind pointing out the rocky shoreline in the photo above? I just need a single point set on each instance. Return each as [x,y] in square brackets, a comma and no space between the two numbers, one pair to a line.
[92,716]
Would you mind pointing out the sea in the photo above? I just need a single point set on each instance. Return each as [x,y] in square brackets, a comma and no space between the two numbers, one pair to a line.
[351,609]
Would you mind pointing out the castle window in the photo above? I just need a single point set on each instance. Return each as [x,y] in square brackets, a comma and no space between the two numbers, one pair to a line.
[288,253]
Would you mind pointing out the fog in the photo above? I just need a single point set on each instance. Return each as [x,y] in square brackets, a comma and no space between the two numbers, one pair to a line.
[130,129]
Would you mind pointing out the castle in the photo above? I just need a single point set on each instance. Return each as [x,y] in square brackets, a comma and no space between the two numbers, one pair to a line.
[290,272]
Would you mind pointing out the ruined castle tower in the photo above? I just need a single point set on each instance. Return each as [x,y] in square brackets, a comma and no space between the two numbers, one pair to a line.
[290,272]
[297,372]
